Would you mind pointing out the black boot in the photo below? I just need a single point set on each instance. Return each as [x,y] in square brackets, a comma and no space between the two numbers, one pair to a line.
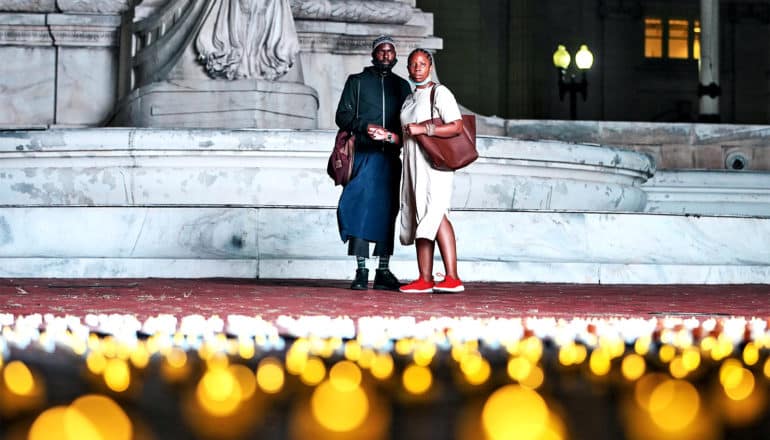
[385,280]
[362,280]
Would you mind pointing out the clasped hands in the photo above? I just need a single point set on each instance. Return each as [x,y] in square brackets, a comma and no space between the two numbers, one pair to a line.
[380,133]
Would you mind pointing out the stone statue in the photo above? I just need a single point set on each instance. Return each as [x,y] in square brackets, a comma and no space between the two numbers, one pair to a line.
[248,39]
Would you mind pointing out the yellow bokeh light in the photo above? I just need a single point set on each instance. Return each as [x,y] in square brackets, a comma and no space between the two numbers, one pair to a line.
[568,354]
[479,373]
[632,367]
[246,349]
[674,404]
[730,372]
[50,424]
[515,412]
[78,426]
[246,380]
[404,346]
[739,384]
[532,349]
[642,345]
[424,352]
[339,410]
[176,358]
[599,362]
[345,376]
[382,366]
[314,372]
[519,368]
[296,360]
[217,360]
[534,379]
[750,354]
[117,375]
[218,392]
[18,378]
[417,379]
[96,362]
[352,350]
[677,368]
[708,343]
[99,415]
[140,357]
[581,353]
[644,387]
[666,353]
[270,375]
[367,356]
[691,359]
[766,368]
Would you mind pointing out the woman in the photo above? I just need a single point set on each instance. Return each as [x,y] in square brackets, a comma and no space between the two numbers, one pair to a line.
[426,192]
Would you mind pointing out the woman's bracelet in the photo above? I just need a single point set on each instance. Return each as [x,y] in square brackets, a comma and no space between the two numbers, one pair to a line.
[430,129]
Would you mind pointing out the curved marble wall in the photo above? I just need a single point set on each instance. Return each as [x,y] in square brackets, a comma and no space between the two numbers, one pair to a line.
[258,203]
[127,167]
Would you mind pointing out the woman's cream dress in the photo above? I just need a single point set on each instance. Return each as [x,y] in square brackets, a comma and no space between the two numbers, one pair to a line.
[425,192]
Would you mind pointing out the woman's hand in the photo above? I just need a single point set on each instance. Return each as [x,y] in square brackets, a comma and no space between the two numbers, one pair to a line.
[414,129]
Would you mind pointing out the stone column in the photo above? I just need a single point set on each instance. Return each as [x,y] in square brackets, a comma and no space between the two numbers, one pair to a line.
[708,89]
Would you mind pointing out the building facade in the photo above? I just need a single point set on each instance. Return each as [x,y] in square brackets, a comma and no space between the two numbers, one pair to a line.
[497,57]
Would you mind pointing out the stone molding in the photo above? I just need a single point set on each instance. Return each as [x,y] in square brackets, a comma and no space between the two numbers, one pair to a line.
[94,6]
[54,35]
[25,35]
[358,44]
[352,11]
[84,36]
[68,6]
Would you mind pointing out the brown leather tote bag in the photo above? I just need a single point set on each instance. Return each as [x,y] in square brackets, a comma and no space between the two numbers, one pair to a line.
[452,153]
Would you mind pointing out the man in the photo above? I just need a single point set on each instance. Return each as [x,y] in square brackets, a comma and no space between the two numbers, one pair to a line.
[367,210]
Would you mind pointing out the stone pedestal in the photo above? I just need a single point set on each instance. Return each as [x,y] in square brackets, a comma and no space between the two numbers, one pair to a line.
[58,69]
[219,104]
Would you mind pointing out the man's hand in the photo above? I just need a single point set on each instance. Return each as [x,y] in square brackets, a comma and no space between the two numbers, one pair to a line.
[377,132]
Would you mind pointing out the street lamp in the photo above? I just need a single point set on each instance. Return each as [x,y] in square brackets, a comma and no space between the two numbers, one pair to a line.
[584,59]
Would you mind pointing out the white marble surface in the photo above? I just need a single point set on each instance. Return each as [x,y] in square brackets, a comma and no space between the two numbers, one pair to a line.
[287,168]
[58,69]
[574,247]
[27,89]
[710,192]
[173,233]
[85,94]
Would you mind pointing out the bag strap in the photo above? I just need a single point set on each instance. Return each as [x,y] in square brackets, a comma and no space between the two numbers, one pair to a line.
[432,99]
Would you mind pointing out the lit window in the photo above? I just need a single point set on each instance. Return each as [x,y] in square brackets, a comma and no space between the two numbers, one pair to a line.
[653,37]
[678,31]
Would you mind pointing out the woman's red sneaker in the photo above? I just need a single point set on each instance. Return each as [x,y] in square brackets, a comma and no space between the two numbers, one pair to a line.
[418,286]
[449,285]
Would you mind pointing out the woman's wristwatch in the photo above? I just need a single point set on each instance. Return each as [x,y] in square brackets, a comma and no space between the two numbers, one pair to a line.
[389,138]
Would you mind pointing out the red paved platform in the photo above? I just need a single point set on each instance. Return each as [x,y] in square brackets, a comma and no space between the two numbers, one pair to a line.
[271,298]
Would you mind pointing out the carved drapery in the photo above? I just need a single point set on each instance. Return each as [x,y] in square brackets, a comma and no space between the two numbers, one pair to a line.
[248,39]
[352,11]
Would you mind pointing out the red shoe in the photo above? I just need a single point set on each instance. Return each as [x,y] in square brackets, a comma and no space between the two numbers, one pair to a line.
[449,285]
[417,286]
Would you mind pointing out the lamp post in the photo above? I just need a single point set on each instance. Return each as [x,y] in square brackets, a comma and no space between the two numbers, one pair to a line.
[584,59]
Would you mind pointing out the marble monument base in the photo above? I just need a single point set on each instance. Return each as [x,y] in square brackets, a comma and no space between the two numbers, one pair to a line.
[303,243]
[246,103]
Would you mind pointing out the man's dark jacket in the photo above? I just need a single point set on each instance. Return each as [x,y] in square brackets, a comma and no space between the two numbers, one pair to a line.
[370,201]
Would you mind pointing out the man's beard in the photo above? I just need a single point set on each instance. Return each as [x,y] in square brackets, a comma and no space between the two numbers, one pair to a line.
[384,67]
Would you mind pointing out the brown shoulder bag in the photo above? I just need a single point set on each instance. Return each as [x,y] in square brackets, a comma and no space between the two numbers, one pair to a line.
[452,153]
